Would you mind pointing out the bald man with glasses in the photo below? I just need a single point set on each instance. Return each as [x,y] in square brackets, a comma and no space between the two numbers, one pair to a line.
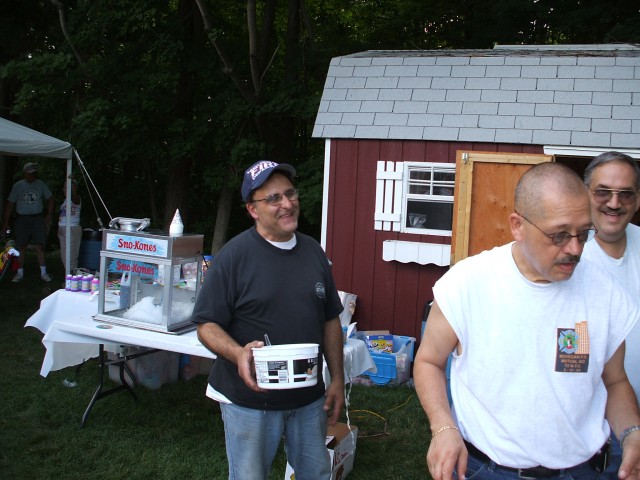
[537,377]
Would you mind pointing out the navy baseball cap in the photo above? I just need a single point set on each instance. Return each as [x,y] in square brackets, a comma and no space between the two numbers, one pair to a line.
[259,172]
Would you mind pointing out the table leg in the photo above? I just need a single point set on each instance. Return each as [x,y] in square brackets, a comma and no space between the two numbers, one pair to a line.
[123,367]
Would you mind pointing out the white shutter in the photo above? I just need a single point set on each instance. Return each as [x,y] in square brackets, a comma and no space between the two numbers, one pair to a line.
[388,209]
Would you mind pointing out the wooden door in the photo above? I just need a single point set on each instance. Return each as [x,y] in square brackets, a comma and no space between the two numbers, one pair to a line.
[483,199]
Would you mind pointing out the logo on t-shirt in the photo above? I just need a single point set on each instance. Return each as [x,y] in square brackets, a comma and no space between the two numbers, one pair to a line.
[572,353]
[320,292]
[30,198]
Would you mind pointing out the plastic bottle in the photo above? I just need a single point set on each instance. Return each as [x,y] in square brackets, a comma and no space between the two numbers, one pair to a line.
[75,283]
[125,290]
[67,282]
[86,283]
[176,227]
[95,284]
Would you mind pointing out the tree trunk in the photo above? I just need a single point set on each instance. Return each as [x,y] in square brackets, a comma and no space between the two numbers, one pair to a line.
[179,171]
[7,164]
[63,26]
[223,215]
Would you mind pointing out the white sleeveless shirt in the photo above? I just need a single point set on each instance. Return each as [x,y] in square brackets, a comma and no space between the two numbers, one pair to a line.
[514,394]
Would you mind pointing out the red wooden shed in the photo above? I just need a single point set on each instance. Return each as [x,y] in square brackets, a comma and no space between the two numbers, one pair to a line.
[394,123]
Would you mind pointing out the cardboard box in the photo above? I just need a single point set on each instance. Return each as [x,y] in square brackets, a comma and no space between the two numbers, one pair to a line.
[378,340]
[341,443]
[380,343]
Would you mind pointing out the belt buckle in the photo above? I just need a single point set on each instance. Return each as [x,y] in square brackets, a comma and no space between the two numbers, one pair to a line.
[522,473]
[538,472]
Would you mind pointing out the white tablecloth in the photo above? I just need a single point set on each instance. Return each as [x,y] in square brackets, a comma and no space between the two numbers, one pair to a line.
[71,336]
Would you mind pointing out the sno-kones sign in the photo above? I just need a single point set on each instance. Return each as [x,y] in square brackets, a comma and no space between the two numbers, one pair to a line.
[137,245]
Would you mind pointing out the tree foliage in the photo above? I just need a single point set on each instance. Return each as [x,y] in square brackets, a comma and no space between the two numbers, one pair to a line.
[168,101]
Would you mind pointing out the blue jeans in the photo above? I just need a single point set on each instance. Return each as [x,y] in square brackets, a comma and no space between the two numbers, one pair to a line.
[478,470]
[253,437]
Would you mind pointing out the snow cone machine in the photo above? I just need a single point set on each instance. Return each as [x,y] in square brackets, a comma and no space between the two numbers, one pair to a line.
[149,280]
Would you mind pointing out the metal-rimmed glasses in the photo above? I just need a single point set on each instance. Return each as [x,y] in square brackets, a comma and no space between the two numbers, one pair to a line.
[562,238]
[605,194]
[275,199]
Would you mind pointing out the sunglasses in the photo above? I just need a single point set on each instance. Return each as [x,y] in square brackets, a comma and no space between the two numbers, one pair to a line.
[605,194]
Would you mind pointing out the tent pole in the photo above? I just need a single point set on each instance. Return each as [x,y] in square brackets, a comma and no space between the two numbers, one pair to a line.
[67,246]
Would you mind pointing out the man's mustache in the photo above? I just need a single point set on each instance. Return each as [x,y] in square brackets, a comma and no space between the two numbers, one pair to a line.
[614,211]
[569,259]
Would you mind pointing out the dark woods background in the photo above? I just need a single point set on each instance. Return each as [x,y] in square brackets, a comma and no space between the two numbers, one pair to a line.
[167,101]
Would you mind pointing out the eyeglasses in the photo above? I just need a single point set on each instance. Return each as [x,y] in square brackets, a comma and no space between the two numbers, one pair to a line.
[562,238]
[276,198]
[605,194]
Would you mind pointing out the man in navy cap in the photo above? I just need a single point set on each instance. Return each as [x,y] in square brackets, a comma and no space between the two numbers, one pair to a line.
[274,282]
[34,203]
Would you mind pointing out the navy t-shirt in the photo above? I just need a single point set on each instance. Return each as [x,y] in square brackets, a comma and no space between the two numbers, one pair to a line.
[253,288]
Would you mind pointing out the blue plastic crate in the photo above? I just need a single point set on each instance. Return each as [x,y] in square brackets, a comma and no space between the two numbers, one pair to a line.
[393,367]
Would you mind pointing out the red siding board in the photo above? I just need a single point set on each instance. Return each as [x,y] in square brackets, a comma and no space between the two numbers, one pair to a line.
[407,297]
[345,183]
[365,240]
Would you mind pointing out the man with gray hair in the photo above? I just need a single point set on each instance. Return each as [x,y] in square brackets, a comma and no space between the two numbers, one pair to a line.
[613,180]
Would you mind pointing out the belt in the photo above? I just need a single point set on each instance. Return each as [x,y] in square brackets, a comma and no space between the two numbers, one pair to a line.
[31,215]
[598,462]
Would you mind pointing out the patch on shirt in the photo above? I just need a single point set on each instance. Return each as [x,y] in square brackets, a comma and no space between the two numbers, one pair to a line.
[320,292]
[572,354]
[30,198]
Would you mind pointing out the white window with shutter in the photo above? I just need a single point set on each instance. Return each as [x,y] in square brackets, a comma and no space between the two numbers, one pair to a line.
[415,197]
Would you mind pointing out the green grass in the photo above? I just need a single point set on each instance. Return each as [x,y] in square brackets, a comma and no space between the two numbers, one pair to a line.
[171,433]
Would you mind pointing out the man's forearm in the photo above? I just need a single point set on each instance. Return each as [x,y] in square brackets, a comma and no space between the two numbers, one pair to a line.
[431,388]
[622,407]
[333,350]
[219,342]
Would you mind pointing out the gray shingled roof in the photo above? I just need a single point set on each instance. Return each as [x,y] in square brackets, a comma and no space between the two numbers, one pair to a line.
[580,95]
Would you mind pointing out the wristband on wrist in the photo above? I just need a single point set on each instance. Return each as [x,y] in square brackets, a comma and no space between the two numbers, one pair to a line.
[625,433]
[447,427]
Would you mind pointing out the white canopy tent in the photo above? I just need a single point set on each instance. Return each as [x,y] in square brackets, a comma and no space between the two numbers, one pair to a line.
[18,140]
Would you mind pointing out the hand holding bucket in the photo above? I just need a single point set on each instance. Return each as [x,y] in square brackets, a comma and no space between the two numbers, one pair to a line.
[280,367]
[246,366]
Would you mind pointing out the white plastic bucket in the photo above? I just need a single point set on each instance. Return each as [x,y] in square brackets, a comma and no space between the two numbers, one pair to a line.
[280,367]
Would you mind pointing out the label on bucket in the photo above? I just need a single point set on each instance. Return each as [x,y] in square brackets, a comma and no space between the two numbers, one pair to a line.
[280,369]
